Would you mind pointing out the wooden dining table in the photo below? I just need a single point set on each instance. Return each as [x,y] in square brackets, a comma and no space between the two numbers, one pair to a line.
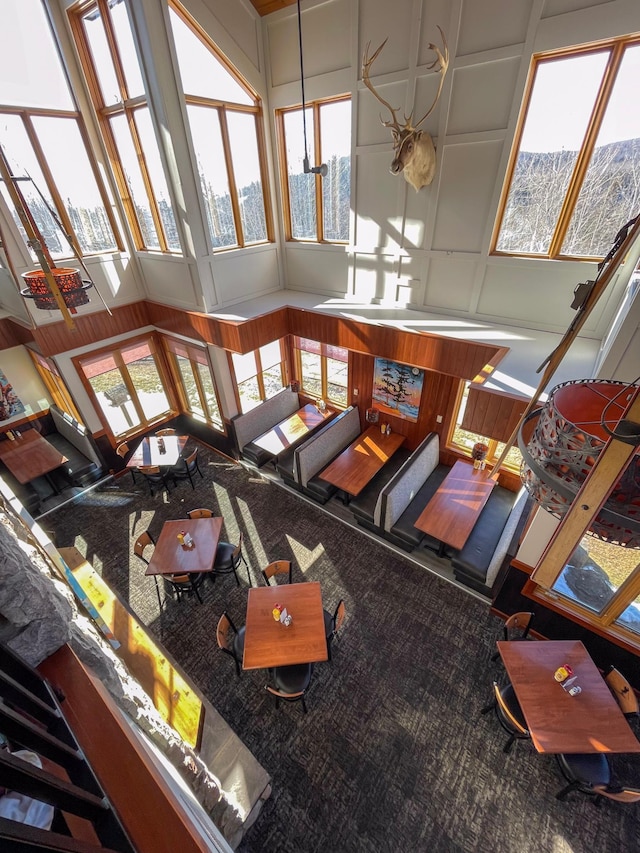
[268,643]
[292,429]
[170,557]
[148,452]
[589,722]
[358,463]
[454,509]
[30,455]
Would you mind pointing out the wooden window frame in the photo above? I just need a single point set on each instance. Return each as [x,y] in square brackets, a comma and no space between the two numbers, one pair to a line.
[324,355]
[55,384]
[127,108]
[616,47]
[196,355]
[223,108]
[164,372]
[259,374]
[493,453]
[284,174]
[26,115]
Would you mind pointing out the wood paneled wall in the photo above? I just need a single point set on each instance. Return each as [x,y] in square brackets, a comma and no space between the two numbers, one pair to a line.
[91,328]
[13,334]
[439,395]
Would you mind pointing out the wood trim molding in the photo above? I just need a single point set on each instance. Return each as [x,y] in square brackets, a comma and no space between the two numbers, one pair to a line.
[452,356]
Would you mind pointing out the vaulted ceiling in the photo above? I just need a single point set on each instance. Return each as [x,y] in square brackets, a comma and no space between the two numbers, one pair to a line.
[266,7]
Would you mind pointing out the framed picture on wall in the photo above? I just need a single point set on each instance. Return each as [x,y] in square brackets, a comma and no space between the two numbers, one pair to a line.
[397,389]
[10,404]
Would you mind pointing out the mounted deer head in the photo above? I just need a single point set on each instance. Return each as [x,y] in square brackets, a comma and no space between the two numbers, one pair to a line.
[414,152]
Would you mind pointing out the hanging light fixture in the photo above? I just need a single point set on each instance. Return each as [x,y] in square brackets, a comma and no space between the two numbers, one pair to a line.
[569,433]
[323,169]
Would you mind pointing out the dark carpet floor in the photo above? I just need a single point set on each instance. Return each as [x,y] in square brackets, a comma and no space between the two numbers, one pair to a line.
[393,754]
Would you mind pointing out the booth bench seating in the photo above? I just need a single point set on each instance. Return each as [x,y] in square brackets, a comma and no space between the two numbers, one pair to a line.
[493,540]
[396,496]
[253,423]
[299,466]
[71,438]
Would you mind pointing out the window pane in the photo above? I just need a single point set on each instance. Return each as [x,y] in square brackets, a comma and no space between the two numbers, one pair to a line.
[246,168]
[335,140]
[208,387]
[207,142]
[560,106]
[22,161]
[337,381]
[133,177]
[126,48]
[149,388]
[595,571]
[158,181]
[67,159]
[202,73]
[101,56]
[244,365]
[25,35]
[270,354]
[115,402]
[513,459]
[189,385]
[302,188]
[630,618]
[311,373]
[610,194]
[249,393]
[272,379]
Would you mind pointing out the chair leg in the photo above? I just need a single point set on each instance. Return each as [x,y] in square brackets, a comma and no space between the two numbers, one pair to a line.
[236,576]
[304,705]
[196,590]
[158,592]
[488,707]
[507,747]
[329,639]
[567,790]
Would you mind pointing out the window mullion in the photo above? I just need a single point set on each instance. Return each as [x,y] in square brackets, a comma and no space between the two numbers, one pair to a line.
[623,597]
[128,381]
[199,388]
[146,179]
[318,178]
[233,190]
[586,151]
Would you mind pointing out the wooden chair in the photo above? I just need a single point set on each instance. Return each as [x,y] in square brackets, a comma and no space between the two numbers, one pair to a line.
[279,567]
[231,640]
[584,773]
[623,692]
[200,513]
[154,478]
[290,683]
[123,451]
[186,468]
[333,623]
[516,627]
[167,431]
[185,584]
[228,558]
[621,794]
[142,542]
[509,714]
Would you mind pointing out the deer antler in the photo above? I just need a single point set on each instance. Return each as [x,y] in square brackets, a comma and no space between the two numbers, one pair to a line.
[440,63]
[367,62]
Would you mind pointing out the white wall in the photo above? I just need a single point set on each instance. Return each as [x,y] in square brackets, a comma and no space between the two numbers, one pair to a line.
[19,370]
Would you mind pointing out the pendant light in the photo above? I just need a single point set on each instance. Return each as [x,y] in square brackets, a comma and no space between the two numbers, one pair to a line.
[308,170]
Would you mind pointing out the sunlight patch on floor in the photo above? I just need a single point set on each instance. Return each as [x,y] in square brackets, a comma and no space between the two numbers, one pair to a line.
[253,535]
[305,556]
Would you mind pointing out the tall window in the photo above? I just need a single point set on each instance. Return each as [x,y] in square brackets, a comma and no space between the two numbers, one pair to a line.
[128,385]
[54,384]
[225,119]
[45,142]
[323,370]
[259,374]
[574,175]
[107,51]
[317,208]
[195,382]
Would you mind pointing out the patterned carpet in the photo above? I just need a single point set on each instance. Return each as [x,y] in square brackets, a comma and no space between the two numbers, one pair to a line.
[393,754]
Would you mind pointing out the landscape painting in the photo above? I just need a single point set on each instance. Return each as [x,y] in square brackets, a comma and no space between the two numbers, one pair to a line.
[397,389]
[10,405]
